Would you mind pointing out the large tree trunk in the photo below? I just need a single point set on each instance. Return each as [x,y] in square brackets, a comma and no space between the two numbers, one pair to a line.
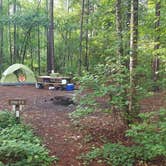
[47,36]
[51,38]
[157,46]
[119,29]
[133,109]
[81,37]
[1,39]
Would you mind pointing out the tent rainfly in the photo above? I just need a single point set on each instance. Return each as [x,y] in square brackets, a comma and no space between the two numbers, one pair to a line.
[17,74]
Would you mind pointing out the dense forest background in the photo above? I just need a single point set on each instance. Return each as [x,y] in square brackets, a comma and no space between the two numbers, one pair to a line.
[86,33]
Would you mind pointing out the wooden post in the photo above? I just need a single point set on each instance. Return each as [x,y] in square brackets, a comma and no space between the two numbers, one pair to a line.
[17,105]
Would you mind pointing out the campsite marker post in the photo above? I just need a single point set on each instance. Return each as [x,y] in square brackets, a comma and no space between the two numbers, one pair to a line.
[17,105]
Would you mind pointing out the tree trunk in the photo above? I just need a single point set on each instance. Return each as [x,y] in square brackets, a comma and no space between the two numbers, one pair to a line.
[47,36]
[119,29]
[10,37]
[67,5]
[81,37]
[51,38]
[133,105]
[127,25]
[31,53]
[156,62]
[87,37]
[1,38]
[24,45]
[14,36]
[38,48]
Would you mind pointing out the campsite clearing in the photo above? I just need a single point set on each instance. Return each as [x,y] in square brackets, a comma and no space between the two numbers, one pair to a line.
[65,139]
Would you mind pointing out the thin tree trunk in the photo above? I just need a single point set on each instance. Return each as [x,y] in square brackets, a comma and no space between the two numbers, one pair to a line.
[10,38]
[119,29]
[81,37]
[1,38]
[67,5]
[87,36]
[133,107]
[31,53]
[51,37]
[156,61]
[14,36]
[68,47]
[25,46]
[38,49]
[127,25]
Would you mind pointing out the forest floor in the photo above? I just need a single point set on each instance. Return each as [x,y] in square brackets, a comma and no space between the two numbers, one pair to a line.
[67,139]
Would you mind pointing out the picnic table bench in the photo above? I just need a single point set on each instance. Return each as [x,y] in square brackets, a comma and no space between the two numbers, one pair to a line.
[49,81]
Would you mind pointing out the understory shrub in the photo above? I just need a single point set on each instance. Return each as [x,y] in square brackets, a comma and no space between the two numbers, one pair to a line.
[6,119]
[19,146]
[150,133]
[108,81]
[150,142]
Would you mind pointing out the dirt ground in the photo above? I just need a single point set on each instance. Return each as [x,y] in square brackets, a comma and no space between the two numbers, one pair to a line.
[65,139]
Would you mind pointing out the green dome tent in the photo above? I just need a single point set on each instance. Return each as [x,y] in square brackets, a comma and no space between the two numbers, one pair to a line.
[11,76]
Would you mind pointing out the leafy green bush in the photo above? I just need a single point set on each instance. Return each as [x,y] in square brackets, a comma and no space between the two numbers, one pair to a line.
[150,139]
[19,132]
[6,119]
[112,154]
[19,146]
[117,154]
[108,80]
[18,153]
[150,133]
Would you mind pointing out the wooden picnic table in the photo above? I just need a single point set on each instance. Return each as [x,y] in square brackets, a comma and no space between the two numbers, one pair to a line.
[57,82]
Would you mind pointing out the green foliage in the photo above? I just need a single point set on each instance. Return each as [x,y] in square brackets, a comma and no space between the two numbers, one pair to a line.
[109,81]
[81,111]
[149,137]
[117,155]
[151,133]
[6,119]
[19,146]
[20,132]
[113,154]
[23,153]
[95,153]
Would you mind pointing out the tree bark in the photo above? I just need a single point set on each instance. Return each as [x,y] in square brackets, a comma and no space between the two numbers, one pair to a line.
[10,37]
[31,53]
[127,25]
[25,43]
[156,61]
[38,48]
[47,36]
[14,36]
[119,29]
[87,37]
[51,38]
[1,38]
[81,37]
[133,107]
